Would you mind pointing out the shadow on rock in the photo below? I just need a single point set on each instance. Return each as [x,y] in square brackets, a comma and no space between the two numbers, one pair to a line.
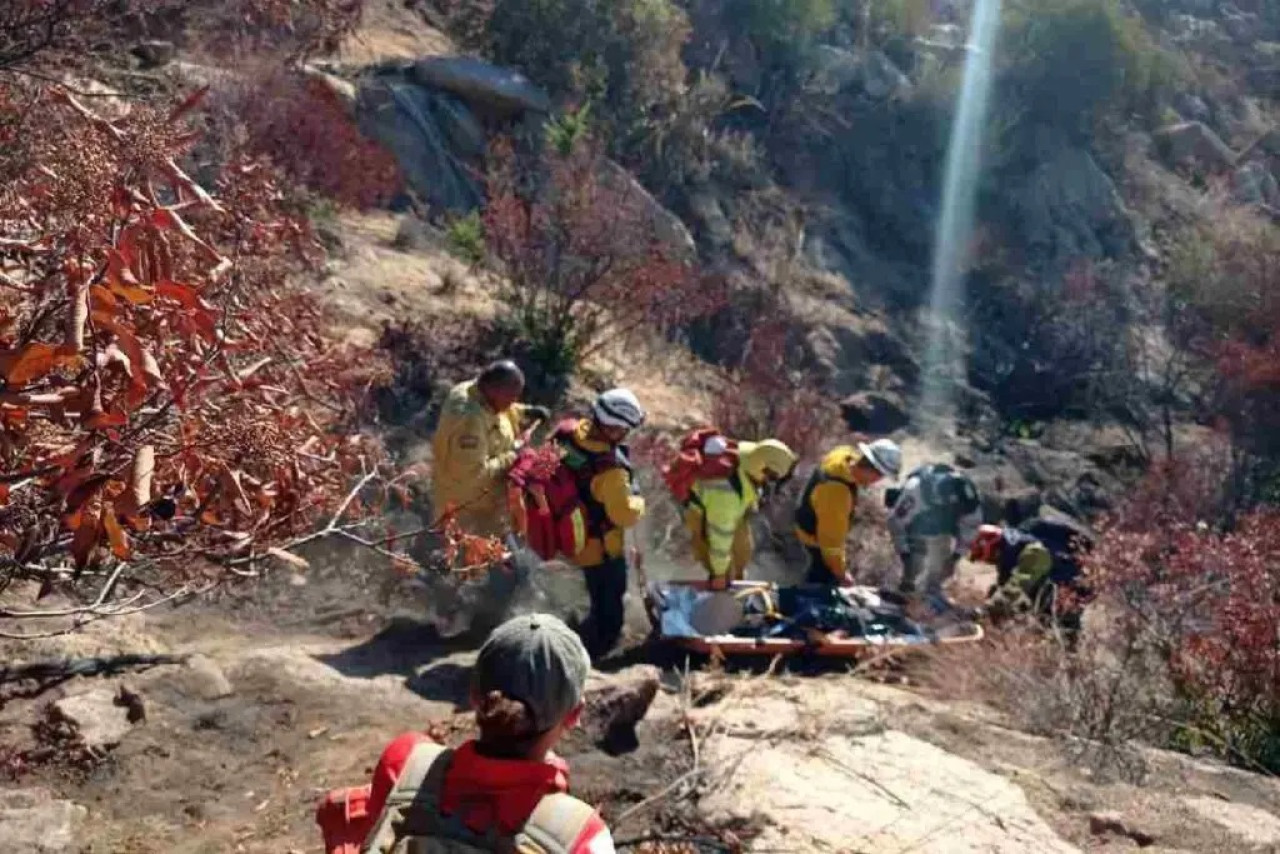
[401,649]
[445,682]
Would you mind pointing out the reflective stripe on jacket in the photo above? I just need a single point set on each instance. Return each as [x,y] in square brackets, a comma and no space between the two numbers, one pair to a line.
[724,504]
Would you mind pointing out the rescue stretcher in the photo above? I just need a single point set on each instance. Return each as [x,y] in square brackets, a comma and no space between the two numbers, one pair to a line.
[687,615]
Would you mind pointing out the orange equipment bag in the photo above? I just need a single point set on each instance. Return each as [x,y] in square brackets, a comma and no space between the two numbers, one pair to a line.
[343,816]
[693,465]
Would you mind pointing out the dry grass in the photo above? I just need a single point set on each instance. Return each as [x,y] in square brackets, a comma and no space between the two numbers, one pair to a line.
[1104,700]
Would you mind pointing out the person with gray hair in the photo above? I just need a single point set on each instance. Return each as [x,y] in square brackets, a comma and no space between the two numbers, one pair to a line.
[475,444]
[505,790]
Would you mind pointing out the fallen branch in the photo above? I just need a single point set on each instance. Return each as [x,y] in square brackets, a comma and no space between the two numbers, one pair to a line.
[65,668]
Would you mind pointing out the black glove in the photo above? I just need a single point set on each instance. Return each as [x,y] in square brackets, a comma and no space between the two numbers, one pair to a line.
[536,413]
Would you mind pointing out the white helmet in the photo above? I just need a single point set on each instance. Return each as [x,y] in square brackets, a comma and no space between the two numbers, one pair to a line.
[618,407]
[885,455]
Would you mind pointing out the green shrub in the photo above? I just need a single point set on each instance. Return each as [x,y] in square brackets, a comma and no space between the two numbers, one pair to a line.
[621,54]
[466,238]
[901,17]
[784,25]
[1070,62]
[563,132]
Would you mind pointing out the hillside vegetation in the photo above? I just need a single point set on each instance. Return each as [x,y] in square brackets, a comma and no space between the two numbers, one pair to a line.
[208,208]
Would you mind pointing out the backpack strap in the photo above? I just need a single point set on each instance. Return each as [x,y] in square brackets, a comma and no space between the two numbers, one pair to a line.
[418,789]
[555,824]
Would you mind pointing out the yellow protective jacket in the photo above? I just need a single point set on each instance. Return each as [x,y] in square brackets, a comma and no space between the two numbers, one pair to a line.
[474,447]
[612,503]
[825,512]
[716,516]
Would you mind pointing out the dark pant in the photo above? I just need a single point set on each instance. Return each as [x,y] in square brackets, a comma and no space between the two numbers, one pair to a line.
[818,572]
[606,586]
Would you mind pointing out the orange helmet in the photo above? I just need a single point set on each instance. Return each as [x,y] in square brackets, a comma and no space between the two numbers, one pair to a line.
[987,544]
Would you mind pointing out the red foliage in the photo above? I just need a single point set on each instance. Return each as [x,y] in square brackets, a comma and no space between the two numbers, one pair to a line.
[303,126]
[67,28]
[767,398]
[1211,597]
[168,394]
[585,260]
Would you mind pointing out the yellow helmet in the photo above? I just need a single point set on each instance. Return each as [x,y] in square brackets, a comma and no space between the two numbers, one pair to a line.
[763,461]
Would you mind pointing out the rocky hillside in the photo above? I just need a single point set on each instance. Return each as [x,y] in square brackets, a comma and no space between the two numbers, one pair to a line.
[805,160]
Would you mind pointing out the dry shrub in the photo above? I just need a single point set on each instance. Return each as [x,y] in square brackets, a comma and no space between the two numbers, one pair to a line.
[1104,700]
[766,393]
[1179,648]
[172,401]
[301,124]
[585,262]
[427,356]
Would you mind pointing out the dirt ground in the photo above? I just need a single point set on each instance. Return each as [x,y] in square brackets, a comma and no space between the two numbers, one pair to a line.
[323,671]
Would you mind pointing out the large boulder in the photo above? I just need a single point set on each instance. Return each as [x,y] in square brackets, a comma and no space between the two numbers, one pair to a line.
[1195,142]
[834,69]
[1251,826]
[616,702]
[712,223]
[882,79]
[429,135]
[666,226]
[101,718]
[34,822]
[201,677]
[875,413]
[1253,184]
[815,769]
[1192,107]
[481,84]
[1068,206]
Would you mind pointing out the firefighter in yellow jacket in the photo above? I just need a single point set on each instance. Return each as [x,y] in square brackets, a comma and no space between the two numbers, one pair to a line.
[595,451]
[717,513]
[474,445]
[824,513]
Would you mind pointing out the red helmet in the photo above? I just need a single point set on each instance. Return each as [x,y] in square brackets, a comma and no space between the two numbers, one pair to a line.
[986,545]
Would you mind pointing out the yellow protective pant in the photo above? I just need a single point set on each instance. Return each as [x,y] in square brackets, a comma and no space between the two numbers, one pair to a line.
[739,555]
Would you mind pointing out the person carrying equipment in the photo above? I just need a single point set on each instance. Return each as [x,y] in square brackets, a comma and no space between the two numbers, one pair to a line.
[505,790]
[933,521]
[579,504]
[475,444]
[719,482]
[1029,576]
[825,511]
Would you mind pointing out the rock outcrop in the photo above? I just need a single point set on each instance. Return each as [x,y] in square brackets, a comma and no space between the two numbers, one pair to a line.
[35,822]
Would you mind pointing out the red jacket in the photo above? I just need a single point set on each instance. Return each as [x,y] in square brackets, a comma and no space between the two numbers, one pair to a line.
[488,791]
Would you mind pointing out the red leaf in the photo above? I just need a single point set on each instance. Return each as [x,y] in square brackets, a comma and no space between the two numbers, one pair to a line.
[84,491]
[102,299]
[86,537]
[118,269]
[103,420]
[163,219]
[184,294]
[188,104]
[115,535]
[35,360]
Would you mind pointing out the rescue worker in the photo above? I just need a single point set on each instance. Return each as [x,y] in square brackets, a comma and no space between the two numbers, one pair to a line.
[825,511]
[596,445]
[505,789]
[474,445]
[1029,578]
[717,513]
[933,521]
